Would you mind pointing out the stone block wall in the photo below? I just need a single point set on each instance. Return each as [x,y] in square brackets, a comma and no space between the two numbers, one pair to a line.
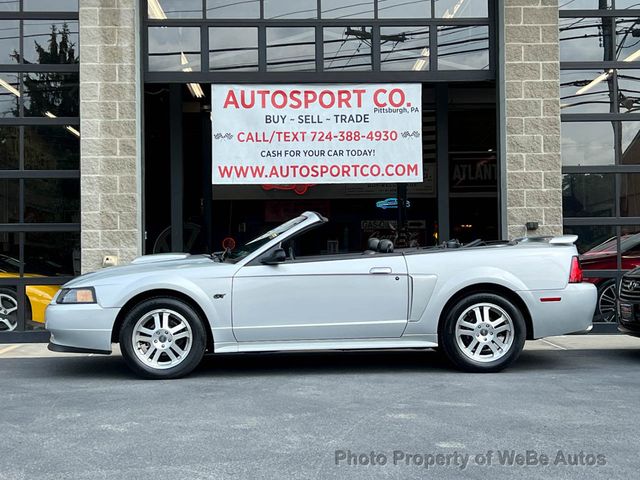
[532,74]
[110,199]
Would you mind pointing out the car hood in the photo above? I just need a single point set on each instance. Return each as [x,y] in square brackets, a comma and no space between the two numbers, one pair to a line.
[177,264]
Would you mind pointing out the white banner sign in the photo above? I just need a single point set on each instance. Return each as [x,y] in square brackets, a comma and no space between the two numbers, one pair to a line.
[277,134]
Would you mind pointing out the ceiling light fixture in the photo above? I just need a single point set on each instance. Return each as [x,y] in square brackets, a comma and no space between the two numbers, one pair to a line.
[194,88]
[155,10]
[68,127]
[594,82]
[10,88]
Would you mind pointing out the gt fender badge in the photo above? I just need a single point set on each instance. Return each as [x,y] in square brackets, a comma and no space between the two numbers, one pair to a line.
[218,296]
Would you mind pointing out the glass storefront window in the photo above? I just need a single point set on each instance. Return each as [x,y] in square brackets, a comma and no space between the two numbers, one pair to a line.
[626,4]
[277,9]
[586,91]
[233,9]
[50,41]
[51,200]
[291,48]
[458,9]
[162,9]
[627,32]
[630,195]
[9,41]
[51,95]
[347,48]
[233,49]
[581,39]
[629,90]
[404,9]
[346,8]
[588,195]
[592,238]
[10,6]
[9,95]
[463,48]
[174,49]
[630,143]
[584,4]
[9,148]
[587,143]
[51,147]
[52,253]
[404,48]
[9,195]
[49,6]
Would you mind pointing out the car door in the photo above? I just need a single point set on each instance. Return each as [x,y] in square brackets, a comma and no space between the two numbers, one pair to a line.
[346,296]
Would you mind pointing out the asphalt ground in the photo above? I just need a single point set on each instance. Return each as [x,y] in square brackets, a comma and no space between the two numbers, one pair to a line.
[325,415]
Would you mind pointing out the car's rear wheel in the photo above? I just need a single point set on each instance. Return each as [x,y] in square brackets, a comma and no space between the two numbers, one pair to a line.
[162,338]
[483,332]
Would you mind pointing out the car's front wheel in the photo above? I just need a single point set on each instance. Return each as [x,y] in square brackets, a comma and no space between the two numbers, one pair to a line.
[483,332]
[162,338]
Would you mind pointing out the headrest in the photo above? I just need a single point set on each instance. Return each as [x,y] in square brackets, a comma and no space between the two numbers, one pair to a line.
[385,246]
[372,244]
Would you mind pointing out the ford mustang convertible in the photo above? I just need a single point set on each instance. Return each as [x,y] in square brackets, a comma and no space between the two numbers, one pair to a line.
[477,302]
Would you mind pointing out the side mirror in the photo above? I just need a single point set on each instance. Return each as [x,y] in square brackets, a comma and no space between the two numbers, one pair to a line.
[275,257]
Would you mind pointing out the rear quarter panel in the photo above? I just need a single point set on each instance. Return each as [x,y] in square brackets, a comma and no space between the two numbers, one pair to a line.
[519,268]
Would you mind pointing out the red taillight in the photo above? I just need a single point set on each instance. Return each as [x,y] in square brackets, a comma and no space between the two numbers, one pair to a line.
[575,274]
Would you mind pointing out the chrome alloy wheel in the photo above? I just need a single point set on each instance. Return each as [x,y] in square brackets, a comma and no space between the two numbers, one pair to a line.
[8,313]
[607,303]
[484,332]
[162,338]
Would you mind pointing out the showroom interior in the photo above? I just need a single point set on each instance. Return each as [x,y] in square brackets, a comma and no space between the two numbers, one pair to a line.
[175,50]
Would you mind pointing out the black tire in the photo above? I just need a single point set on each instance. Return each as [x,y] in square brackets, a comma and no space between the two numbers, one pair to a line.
[454,352]
[191,359]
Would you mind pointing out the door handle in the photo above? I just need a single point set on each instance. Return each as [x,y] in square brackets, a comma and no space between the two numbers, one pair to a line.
[380,270]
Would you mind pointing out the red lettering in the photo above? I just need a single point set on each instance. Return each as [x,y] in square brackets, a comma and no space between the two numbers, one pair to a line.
[231,100]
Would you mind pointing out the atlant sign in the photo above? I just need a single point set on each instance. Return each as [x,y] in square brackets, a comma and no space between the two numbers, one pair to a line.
[275,134]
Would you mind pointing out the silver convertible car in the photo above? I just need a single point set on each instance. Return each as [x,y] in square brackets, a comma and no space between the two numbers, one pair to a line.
[478,302]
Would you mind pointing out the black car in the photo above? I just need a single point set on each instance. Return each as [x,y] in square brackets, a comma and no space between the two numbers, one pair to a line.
[629,303]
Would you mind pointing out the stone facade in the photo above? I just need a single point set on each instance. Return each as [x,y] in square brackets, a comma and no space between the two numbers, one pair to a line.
[532,75]
[110,199]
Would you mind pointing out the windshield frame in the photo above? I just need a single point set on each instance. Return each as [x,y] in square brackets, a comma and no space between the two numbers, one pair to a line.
[238,254]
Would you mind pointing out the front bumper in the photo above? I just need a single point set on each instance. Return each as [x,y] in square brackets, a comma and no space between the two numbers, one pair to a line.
[81,327]
[628,317]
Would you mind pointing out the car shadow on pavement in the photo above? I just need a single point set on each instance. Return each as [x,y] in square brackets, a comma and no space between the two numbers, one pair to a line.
[316,363]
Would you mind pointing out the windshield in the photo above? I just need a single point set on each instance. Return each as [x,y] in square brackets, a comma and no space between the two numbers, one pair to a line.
[242,251]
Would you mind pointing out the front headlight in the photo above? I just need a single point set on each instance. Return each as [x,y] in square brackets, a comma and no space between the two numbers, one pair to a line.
[77,295]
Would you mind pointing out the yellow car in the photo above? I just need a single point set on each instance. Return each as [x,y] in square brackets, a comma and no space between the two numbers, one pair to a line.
[37,297]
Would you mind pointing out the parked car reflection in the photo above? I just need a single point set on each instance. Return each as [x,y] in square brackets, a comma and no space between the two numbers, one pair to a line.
[36,300]
[604,257]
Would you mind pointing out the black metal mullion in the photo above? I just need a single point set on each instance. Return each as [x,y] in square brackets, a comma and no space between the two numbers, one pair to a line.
[59,280]
[450,76]
[375,48]
[39,227]
[39,68]
[22,15]
[442,161]
[262,49]
[600,169]
[319,48]
[204,49]
[176,168]
[39,173]
[599,13]
[600,221]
